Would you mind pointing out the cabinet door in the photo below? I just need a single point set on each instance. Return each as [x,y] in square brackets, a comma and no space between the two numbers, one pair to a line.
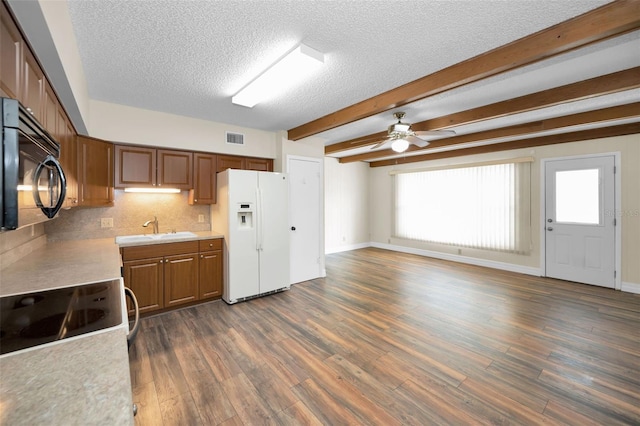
[174,169]
[211,274]
[229,162]
[180,279]
[204,179]
[50,111]
[95,172]
[32,85]
[259,164]
[11,46]
[68,158]
[145,278]
[134,166]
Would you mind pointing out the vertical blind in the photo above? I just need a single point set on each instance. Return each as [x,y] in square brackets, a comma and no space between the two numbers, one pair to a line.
[485,207]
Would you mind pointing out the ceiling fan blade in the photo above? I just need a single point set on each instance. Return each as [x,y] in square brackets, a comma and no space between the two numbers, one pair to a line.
[380,144]
[417,141]
[435,133]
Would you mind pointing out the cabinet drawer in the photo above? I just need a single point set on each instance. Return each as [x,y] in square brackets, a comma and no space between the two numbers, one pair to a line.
[210,245]
[158,250]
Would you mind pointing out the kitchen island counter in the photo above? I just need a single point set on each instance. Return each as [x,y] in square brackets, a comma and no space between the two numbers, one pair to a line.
[80,380]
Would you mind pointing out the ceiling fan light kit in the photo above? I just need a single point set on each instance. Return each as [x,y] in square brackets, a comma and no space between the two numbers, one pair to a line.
[401,136]
[400,145]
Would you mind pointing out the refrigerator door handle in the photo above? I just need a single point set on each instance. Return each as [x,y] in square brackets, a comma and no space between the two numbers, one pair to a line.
[258,220]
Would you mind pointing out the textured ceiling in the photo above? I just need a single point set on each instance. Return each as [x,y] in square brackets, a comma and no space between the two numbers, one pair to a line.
[190,57]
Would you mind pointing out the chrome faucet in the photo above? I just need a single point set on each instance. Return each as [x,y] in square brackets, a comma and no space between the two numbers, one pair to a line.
[155,224]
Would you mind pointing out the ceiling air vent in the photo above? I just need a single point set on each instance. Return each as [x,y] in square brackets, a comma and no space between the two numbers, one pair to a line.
[235,138]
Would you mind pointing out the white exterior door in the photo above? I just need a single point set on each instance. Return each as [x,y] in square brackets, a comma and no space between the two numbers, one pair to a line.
[579,220]
[306,225]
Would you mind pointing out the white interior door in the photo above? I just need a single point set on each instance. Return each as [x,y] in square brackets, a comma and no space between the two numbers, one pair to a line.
[306,225]
[579,220]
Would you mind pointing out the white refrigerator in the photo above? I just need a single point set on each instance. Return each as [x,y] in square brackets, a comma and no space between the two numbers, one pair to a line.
[252,211]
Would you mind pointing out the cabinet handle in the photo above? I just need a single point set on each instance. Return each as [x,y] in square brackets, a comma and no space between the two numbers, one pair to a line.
[161,261]
[210,245]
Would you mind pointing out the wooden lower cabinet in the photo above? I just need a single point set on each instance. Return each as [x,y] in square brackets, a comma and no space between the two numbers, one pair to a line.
[180,279]
[172,274]
[145,278]
[210,269]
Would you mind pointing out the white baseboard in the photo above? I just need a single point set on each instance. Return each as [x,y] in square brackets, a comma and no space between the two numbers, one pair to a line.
[462,259]
[630,287]
[346,248]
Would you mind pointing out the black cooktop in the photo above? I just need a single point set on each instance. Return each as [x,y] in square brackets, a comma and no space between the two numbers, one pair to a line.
[33,319]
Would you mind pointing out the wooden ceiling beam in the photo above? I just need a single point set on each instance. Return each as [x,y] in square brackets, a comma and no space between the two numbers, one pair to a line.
[355,143]
[610,20]
[603,132]
[593,87]
[597,86]
[597,116]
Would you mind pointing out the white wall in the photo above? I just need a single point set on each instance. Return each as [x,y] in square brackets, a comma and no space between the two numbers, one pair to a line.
[346,205]
[381,203]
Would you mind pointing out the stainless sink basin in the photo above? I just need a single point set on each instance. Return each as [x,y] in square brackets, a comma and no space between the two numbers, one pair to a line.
[153,237]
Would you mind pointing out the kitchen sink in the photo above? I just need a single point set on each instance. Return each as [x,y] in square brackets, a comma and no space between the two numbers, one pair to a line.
[153,237]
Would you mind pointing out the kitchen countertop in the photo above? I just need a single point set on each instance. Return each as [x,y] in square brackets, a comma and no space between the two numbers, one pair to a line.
[199,235]
[81,380]
[62,264]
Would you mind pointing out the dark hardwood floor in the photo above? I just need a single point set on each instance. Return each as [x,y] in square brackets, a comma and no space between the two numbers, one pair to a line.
[389,338]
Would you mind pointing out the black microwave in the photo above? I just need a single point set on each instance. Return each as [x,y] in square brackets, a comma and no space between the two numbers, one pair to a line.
[32,180]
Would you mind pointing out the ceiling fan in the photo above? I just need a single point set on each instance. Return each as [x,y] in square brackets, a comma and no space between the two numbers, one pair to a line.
[400,135]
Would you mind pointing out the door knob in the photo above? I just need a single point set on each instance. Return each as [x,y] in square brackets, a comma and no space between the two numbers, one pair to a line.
[550,228]
[293,228]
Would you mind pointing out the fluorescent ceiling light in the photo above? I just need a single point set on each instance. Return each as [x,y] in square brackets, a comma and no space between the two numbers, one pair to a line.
[291,69]
[154,190]
[400,145]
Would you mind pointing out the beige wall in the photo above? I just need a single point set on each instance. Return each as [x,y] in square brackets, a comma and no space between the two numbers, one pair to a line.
[346,205]
[56,14]
[380,185]
[119,123]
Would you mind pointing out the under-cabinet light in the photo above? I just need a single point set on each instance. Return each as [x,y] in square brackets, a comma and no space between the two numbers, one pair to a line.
[290,69]
[154,190]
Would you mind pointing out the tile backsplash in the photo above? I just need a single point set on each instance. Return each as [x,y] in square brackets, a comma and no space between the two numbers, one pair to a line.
[129,212]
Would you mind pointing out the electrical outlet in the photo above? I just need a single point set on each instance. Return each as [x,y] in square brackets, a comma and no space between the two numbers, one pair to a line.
[201,218]
[106,222]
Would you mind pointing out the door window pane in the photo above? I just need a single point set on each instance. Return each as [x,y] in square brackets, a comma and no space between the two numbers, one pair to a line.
[578,196]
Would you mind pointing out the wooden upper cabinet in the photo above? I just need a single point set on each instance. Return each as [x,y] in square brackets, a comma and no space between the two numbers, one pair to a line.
[259,164]
[11,57]
[33,86]
[204,179]
[174,169]
[244,163]
[230,162]
[135,166]
[95,172]
[50,111]
[150,167]
[68,158]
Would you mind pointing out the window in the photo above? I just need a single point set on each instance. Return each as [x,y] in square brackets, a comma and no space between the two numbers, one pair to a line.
[486,207]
